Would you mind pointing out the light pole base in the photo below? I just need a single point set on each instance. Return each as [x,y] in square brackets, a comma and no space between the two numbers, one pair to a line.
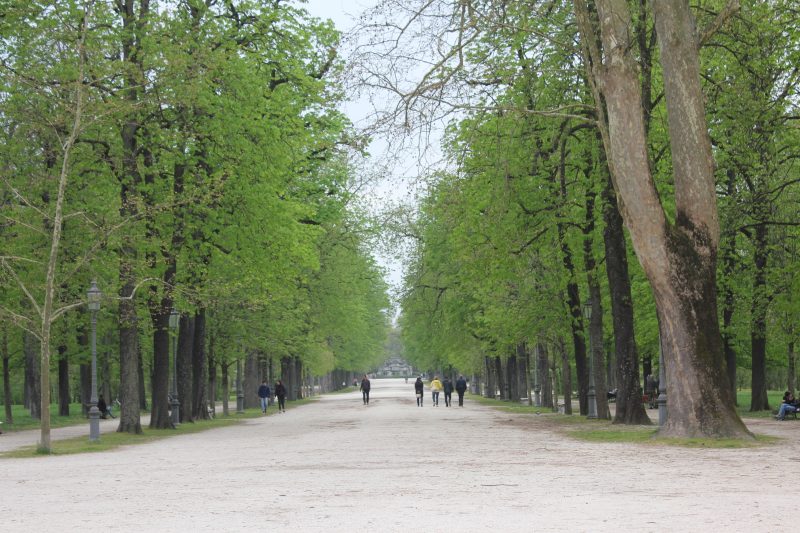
[176,412]
[592,400]
[94,423]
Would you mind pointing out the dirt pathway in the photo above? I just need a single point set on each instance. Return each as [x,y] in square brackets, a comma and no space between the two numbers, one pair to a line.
[336,465]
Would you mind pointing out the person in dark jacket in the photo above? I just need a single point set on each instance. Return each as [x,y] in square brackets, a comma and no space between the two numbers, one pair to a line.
[365,389]
[447,386]
[461,388]
[280,392]
[418,386]
[264,394]
[103,408]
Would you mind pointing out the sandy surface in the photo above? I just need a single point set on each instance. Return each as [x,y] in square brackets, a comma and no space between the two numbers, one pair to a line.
[336,465]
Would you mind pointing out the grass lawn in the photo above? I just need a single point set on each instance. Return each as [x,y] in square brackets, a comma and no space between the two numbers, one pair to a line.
[23,419]
[109,441]
[580,427]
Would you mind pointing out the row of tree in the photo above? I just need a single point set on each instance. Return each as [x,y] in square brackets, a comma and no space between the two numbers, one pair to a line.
[572,122]
[186,155]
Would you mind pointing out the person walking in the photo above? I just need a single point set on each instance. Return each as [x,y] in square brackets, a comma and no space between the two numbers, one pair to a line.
[418,386]
[448,391]
[264,394]
[436,388]
[280,392]
[365,386]
[461,388]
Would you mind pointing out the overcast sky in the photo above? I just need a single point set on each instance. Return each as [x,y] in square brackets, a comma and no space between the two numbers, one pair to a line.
[396,188]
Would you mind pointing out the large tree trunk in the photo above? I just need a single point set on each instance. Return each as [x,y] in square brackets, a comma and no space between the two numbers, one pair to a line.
[630,409]
[130,179]
[511,379]
[597,359]
[501,380]
[728,254]
[212,376]
[576,326]
[678,258]
[86,388]
[185,353]
[491,382]
[160,377]
[758,320]
[200,367]
[226,391]
[543,373]
[250,383]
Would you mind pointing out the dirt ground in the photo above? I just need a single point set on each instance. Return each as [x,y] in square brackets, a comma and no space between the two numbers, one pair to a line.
[337,465]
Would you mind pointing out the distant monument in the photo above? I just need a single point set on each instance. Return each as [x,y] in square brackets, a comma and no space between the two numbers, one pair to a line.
[394,367]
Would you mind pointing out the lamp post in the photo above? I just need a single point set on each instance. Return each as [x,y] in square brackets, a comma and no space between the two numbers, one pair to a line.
[174,318]
[591,396]
[93,297]
[239,392]
[537,387]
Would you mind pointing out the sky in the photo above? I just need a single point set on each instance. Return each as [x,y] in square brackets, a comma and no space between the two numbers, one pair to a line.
[398,187]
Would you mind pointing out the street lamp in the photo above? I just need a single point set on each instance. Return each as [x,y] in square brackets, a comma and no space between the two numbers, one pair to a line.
[239,391]
[93,296]
[591,396]
[174,318]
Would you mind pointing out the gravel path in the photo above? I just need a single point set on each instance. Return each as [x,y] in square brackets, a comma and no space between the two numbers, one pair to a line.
[336,465]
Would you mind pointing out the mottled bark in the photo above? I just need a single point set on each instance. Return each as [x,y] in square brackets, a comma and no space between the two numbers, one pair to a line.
[678,258]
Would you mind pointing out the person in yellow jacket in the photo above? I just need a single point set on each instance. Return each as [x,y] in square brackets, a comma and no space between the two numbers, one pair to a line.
[436,388]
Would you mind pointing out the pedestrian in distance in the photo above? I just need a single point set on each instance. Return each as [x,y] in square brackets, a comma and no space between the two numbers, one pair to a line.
[436,388]
[418,389]
[264,394]
[461,388]
[365,386]
[448,391]
[280,393]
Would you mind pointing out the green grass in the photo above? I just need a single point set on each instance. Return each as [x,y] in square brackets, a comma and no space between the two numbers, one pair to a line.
[112,440]
[23,419]
[743,401]
[647,435]
[580,427]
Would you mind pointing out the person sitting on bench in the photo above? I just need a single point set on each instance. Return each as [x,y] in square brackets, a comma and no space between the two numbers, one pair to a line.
[788,405]
[103,408]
